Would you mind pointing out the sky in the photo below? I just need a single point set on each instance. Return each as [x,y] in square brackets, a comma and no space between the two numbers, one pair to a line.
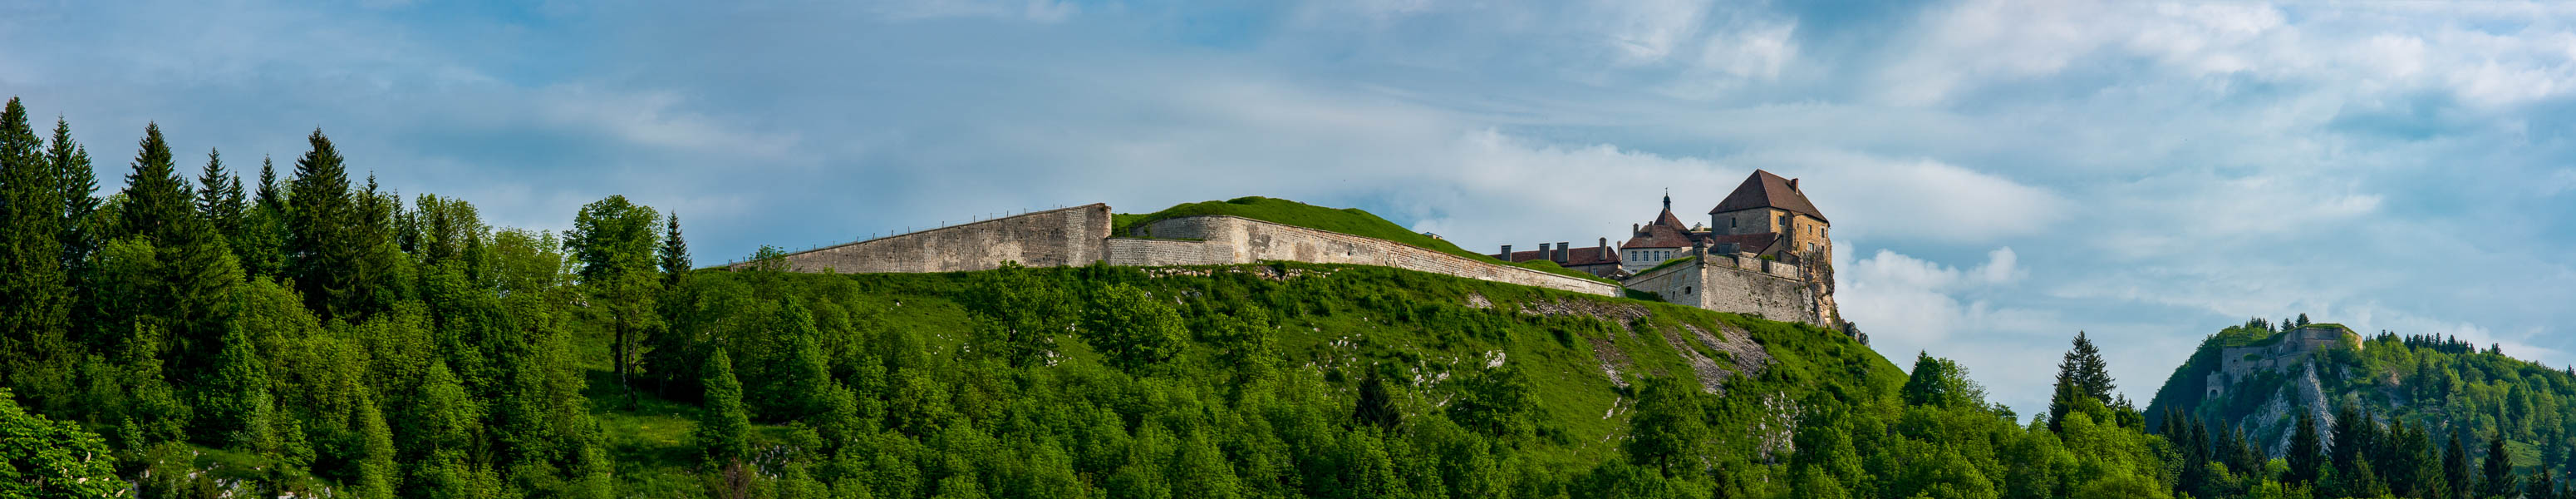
[2000,174]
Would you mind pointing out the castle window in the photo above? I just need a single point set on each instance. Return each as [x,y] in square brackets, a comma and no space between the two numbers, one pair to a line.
[1686,290]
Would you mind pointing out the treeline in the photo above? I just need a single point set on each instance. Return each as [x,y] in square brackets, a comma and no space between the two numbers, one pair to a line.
[326,336]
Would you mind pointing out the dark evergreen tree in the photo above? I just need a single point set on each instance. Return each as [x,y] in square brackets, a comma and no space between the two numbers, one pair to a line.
[219,197]
[723,421]
[675,253]
[2455,470]
[2498,480]
[1376,407]
[324,250]
[196,271]
[2306,454]
[2083,380]
[36,354]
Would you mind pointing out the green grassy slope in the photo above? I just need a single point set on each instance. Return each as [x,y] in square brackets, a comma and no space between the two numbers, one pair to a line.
[1335,326]
[1353,221]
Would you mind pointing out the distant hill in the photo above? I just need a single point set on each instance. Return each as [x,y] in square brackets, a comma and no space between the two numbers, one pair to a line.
[2435,387]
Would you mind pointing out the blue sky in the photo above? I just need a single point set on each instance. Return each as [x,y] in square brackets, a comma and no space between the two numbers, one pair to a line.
[2000,174]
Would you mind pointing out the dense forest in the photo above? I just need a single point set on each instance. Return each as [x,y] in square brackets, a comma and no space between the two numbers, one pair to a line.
[308,332]
[2393,416]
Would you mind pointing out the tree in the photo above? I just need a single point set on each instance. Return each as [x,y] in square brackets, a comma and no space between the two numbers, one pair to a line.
[614,241]
[1132,329]
[2306,455]
[722,421]
[260,242]
[1497,402]
[1665,432]
[79,187]
[1376,407]
[2081,374]
[1940,382]
[219,197]
[2498,481]
[377,475]
[42,458]
[675,254]
[2455,469]
[35,289]
[323,252]
[193,283]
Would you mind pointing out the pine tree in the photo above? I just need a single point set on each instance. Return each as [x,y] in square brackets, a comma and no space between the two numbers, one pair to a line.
[2307,455]
[79,186]
[260,242]
[722,422]
[2455,469]
[196,272]
[675,254]
[219,196]
[322,221]
[1375,406]
[2083,380]
[35,290]
[2498,481]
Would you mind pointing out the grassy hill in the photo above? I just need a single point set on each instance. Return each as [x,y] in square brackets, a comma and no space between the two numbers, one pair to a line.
[1353,221]
[1428,340]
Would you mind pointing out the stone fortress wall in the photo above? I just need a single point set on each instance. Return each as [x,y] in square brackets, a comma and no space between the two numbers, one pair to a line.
[1736,282]
[1222,239]
[2286,352]
[1080,236]
[1058,237]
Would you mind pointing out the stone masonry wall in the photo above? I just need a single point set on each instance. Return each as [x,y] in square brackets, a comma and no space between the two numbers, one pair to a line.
[1741,285]
[1233,240]
[1059,237]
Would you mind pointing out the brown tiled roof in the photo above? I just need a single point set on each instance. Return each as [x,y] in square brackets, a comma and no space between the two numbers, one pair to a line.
[1659,236]
[1589,255]
[1765,190]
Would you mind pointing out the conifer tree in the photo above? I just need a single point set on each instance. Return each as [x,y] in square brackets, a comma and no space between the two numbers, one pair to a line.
[2498,480]
[2455,469]
[260,242]
[722,422]
[157,203]
[376,469]
[219,196]
[79,196]
[35,290]
[196,271]
[240,389]
[322,221]
[675,254]
[2083,380]
[2306,455]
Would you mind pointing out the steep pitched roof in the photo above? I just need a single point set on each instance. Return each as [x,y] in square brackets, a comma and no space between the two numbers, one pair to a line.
[1765,190]
[1661,234]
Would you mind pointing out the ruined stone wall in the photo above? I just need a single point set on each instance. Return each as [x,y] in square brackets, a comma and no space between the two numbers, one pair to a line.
[1232,240]
[1060,237]
[1727,283]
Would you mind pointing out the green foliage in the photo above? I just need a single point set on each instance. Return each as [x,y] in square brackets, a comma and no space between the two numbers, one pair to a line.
[615,244]
[36,356]
[43,458]
[1133,329]
[723,423]
[1938,381]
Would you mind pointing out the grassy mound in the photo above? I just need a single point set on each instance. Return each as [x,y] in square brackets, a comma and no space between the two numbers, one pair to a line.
[1353,221]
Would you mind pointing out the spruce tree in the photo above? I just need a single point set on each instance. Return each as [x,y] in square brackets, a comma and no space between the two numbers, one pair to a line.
[2455,469]
[2083,380]
[322,219]
[2498,480]
[79,186]
[35,291]
[219,196]
[157,205]
[2307,455]
[722,422]
[196,271]
[675,253]
[377,474]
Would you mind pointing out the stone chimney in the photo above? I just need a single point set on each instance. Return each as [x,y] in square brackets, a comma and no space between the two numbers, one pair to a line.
[1793,186]
[1563,251]
[1633,229]
[1507,253]
[1605,247]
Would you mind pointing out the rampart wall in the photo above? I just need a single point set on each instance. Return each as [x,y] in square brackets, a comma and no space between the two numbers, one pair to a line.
[1221,239]
[1737,283]
[1065,236]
